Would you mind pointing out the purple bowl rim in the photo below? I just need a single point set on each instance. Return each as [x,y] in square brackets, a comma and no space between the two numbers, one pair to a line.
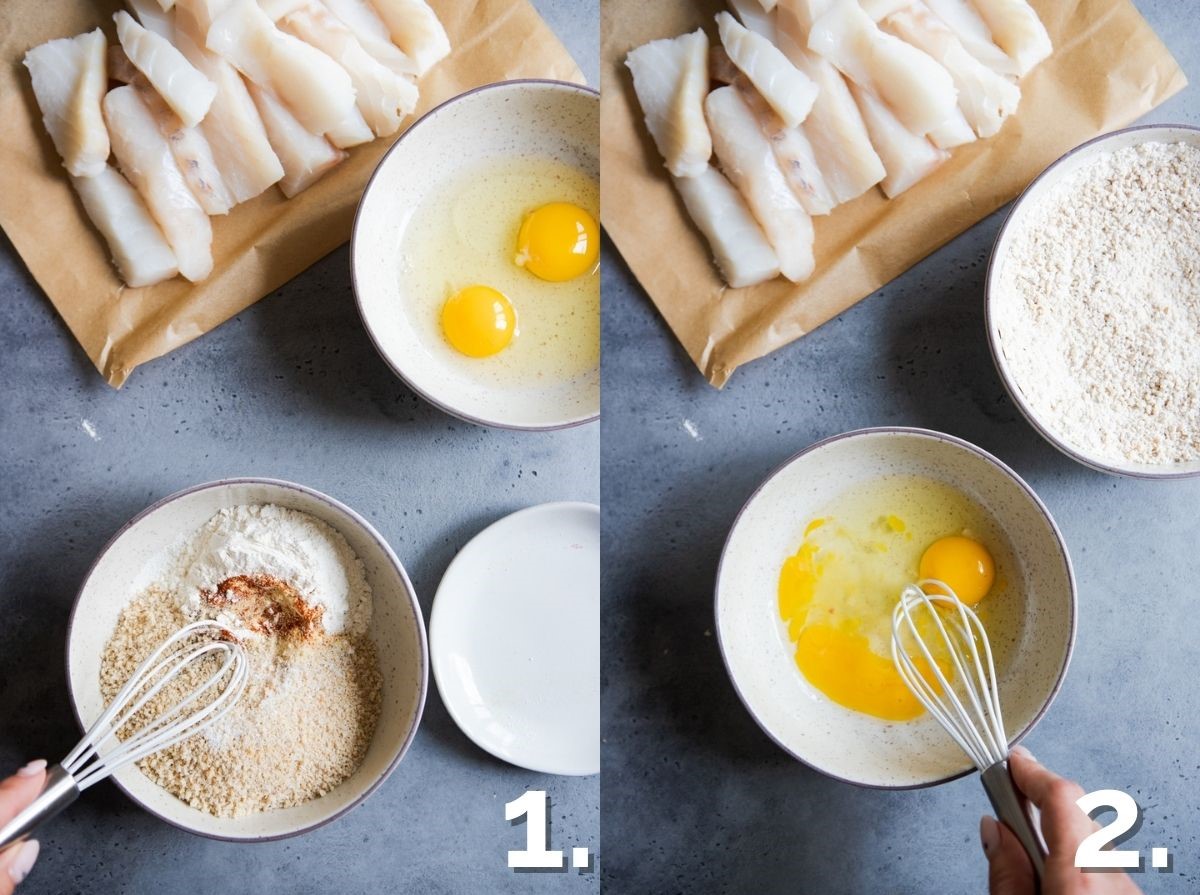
[933,435]
[423,643]
[992,275]
[424,395]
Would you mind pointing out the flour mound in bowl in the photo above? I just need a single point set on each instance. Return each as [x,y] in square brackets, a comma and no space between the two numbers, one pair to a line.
[273,577]
[1098,306]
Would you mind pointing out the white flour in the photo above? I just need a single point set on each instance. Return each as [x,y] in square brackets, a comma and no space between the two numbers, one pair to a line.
[1098,306]
[266,539]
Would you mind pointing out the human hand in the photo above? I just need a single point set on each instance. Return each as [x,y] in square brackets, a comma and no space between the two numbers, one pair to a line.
[15,793]
[1064,826]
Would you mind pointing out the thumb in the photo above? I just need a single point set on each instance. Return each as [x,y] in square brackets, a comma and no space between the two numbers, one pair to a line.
[15,793]
[1009,870]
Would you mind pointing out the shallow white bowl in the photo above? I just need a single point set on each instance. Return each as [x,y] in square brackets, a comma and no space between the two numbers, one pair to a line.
[515,638]
[1042,185]
[512,118]
[122,570]
[837,741]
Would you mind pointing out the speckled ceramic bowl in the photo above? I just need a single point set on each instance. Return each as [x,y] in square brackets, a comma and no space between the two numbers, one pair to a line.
[512,118]
[1034,193]
[839,742]
[124,568]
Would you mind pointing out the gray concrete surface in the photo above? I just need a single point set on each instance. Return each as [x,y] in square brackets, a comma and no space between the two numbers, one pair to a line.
[292,388]
[696,798]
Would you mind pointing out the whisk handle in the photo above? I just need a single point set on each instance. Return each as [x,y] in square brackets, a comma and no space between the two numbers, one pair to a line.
[1016,813]
[59,792]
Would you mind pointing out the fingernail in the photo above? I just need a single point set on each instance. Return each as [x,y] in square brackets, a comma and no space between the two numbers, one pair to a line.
[23,863]
[1023,752]
[989,834]
[33,768]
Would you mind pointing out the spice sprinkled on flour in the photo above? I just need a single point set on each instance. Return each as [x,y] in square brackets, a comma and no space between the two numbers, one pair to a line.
[1098,306]
[275,577]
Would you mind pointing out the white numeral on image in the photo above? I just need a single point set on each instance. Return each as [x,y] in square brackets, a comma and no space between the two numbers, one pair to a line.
[532,806]
[1091,853]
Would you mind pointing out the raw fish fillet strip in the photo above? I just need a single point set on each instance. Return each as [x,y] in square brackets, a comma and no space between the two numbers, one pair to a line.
[790,92]
[739,247]
[185,90]
[670,78]
[306,157]
[919,91]
[749,162]
[147,162]
[69,81]
[138,247]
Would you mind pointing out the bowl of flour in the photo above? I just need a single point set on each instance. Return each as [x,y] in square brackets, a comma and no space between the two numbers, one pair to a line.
[332,629]
[1093,302]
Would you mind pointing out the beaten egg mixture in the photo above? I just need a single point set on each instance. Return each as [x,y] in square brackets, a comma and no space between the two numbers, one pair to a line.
[838,589]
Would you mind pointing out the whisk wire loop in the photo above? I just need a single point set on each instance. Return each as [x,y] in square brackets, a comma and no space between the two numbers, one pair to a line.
[970,712]
[88,764]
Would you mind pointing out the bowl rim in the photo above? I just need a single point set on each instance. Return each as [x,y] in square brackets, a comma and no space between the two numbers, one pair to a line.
[935,436]
[991,278]
[438,660]
[422,639]
[426,396]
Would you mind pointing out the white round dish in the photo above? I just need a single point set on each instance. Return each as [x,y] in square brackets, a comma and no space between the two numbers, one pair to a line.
[515,638]
[121,572]
[837,741]
[512,118]
[1042,185]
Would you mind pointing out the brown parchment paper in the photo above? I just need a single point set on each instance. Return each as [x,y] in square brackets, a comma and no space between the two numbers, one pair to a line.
[259,245]
[1108,68]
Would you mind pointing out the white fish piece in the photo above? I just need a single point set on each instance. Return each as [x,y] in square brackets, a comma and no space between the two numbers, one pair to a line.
[908,157]
[954,131]
[748,161]
[803,14]
[790,92]
[751,14]
[233,128]
[353,130]
[383,97]
[306,156]
[138,247]
[670,78]
[739,247]
[192,153]
[316,89]
[961,18]
[881,9]
[1017,30]
[185,90]
[372,33]
[917,88]
[69,81]
[834,127]
[202,13]
[985,97]
[153,17]
[793,152]
[147,162]
[416,30]
[767,5]
[166,5]
[277,9]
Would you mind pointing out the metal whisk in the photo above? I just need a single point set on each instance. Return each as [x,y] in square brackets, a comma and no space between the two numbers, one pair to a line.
[88,764]
[969,708]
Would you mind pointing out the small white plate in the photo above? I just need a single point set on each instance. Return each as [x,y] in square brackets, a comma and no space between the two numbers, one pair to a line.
[515,638]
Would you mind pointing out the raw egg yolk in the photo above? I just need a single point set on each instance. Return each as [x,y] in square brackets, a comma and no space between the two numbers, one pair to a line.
[963,564]
[558,242]
[479,321]
[842,665]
